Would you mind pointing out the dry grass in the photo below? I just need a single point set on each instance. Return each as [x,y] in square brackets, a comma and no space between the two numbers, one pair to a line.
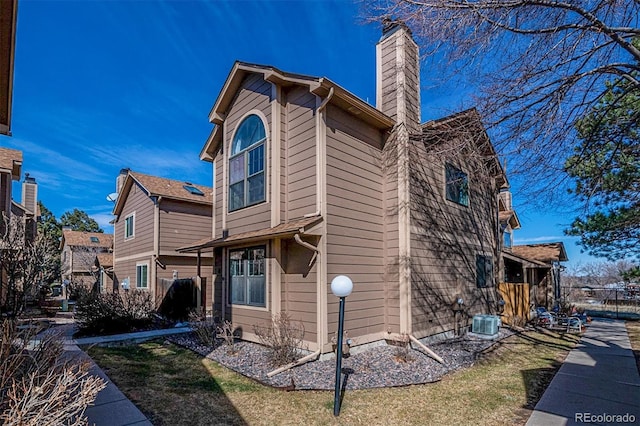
[174,386]
[633,328]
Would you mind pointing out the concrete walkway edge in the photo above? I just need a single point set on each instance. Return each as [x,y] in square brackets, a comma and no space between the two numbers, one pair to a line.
[112,407]
[598,382]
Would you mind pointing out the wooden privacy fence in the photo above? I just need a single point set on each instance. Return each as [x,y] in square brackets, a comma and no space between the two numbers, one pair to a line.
[516,302]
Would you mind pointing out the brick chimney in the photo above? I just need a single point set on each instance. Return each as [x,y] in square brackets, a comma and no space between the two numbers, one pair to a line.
[30,194]
[398,75]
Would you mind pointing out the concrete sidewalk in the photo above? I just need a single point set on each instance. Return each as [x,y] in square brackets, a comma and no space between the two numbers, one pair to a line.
[597,383]
[112,407]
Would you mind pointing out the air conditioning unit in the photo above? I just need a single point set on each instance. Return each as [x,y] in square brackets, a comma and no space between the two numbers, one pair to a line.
[485,324]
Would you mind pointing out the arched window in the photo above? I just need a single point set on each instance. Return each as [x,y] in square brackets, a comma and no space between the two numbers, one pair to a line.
[246,164]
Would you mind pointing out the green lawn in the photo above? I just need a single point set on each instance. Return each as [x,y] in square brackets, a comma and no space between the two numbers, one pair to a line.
[174,386]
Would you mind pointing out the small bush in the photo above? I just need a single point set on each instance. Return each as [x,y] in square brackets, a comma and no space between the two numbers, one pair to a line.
[112,313]
[205,329]
[283,338]
[38,384]
[226,332]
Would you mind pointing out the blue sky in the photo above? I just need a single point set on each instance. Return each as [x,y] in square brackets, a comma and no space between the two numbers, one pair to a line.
[102,85]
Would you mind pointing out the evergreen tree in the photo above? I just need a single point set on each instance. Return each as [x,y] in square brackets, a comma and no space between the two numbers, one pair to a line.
[606,170]
[79,220]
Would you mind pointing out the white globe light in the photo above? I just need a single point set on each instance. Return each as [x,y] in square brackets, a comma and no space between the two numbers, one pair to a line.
[341,286]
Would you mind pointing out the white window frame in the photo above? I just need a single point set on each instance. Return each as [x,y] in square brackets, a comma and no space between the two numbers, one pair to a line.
[138,281]
[245,160]
[131,216]
[246,302]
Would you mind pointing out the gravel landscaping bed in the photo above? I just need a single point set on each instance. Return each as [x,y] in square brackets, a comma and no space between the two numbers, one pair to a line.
[380,366]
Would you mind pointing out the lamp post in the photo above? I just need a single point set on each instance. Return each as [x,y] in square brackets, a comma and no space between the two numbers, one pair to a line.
[341,287]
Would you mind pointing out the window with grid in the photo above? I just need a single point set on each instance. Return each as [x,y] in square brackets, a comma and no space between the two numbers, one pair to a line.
[247,276]
[247,164]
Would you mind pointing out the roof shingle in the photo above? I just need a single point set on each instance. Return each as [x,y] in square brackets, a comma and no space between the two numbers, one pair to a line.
[547,252]
[84,239]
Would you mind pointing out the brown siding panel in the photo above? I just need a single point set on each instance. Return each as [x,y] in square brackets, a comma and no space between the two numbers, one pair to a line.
[445,239]
[355,221]
[300,159]
[183,223]
[138,202]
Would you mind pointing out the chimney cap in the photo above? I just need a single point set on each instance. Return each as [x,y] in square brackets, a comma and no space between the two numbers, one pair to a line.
[29,179]
[389,25]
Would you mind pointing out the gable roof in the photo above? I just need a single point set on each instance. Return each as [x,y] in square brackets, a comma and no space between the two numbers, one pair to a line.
[320,86]
[156,186]
[105,260]
[467,122]
[510,217]
[11,162]
[547,252]
[86,239]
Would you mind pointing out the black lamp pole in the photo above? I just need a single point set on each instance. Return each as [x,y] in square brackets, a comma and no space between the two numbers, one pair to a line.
[336,401]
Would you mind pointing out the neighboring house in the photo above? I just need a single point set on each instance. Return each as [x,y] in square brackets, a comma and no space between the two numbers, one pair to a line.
[78,255]
[153,217]
[312,182]
[8,19]
[103,267]
[537,265]
[24,214]
[10,170]
[542,269]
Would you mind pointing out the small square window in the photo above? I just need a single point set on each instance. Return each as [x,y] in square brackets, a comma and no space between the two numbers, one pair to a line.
[94,240]
[457,185]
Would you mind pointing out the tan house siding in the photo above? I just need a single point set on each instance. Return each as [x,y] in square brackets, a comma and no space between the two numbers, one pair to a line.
[390,202]
[182,223]
[218,188]
[298,292]
[445,239]
[284,133]
[137,202]
[355,224]
[255,94]
[301,154]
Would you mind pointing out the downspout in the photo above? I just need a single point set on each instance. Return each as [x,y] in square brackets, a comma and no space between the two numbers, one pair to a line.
[156,245]
[319,195]
[321,187]
[306,245]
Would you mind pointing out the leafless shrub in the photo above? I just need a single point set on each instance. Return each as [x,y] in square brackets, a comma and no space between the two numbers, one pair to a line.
[283,337]
[205,328]
[226,332]
[108,313]
[37,384]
